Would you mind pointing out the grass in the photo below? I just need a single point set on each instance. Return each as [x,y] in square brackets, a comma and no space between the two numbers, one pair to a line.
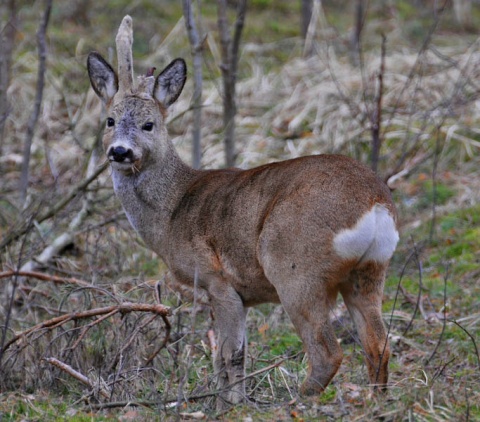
[288,107]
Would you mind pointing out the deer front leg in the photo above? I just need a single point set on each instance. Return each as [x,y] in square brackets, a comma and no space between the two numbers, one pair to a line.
[229,358]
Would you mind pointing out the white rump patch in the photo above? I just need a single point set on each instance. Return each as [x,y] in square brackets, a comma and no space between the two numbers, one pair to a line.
[373,238]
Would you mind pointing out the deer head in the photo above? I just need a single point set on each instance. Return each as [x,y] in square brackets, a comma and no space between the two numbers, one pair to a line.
[136,111]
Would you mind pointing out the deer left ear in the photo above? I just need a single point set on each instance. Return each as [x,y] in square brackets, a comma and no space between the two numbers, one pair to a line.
[170,82]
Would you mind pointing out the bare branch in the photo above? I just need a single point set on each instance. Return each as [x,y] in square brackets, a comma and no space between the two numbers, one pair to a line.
[123,308]
[45,277]
[168,328]
[75,374]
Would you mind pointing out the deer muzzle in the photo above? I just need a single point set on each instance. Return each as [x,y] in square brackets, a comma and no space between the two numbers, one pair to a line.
[120,154]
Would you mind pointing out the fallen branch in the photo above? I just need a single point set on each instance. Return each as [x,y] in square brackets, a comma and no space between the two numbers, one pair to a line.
[77,375]
[123,308]
[45,277]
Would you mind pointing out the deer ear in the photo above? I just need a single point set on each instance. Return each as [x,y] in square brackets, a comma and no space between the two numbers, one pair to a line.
[103,78]
[170,82]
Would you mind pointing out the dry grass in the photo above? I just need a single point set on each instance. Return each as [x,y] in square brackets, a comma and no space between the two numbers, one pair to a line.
[315,105]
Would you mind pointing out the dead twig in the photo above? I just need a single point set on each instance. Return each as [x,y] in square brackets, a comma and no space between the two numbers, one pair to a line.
[123,308]
[87,327]
[128,342]
[168,329]
[45,277]
[77,375]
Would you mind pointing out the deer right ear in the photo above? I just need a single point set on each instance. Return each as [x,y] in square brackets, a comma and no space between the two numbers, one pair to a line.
[103,78]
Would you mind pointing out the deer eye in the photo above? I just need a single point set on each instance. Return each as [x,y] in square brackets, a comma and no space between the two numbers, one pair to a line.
[110,122]
[148,126]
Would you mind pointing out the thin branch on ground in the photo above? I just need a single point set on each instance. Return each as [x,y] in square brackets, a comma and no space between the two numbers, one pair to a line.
[45,277]
[123,308]
[69,370]
[77,375]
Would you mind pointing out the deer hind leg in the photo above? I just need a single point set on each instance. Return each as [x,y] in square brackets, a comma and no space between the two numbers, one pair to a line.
[309,312]
[229,358]
[363,294]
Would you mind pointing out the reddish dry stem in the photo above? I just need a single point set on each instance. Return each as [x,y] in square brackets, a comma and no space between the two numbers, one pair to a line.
[123,308]
[44,277]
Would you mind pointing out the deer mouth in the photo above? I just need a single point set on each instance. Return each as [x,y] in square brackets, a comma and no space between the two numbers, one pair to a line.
[123,159]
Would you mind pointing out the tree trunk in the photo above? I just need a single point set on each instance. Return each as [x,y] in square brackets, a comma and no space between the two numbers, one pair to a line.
[196,45]
[463,13]
[42,59]
[357,31]
[229,51]
[306,11]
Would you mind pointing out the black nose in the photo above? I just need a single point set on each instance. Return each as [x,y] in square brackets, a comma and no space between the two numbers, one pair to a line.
[120,154]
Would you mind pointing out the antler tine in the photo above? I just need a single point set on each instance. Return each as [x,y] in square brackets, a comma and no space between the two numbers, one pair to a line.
[124,41]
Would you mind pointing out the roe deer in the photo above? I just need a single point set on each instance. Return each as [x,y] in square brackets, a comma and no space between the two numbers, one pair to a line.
[296,232]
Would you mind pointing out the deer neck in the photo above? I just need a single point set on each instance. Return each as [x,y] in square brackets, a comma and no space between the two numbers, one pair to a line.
[150,196]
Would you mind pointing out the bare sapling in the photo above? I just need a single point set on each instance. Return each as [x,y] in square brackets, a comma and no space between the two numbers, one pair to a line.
[297,232]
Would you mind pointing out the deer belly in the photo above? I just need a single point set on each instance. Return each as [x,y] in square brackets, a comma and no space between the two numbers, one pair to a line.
[245,276]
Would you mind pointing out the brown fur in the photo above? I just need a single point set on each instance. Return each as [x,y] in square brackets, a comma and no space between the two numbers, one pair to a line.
[250,236]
